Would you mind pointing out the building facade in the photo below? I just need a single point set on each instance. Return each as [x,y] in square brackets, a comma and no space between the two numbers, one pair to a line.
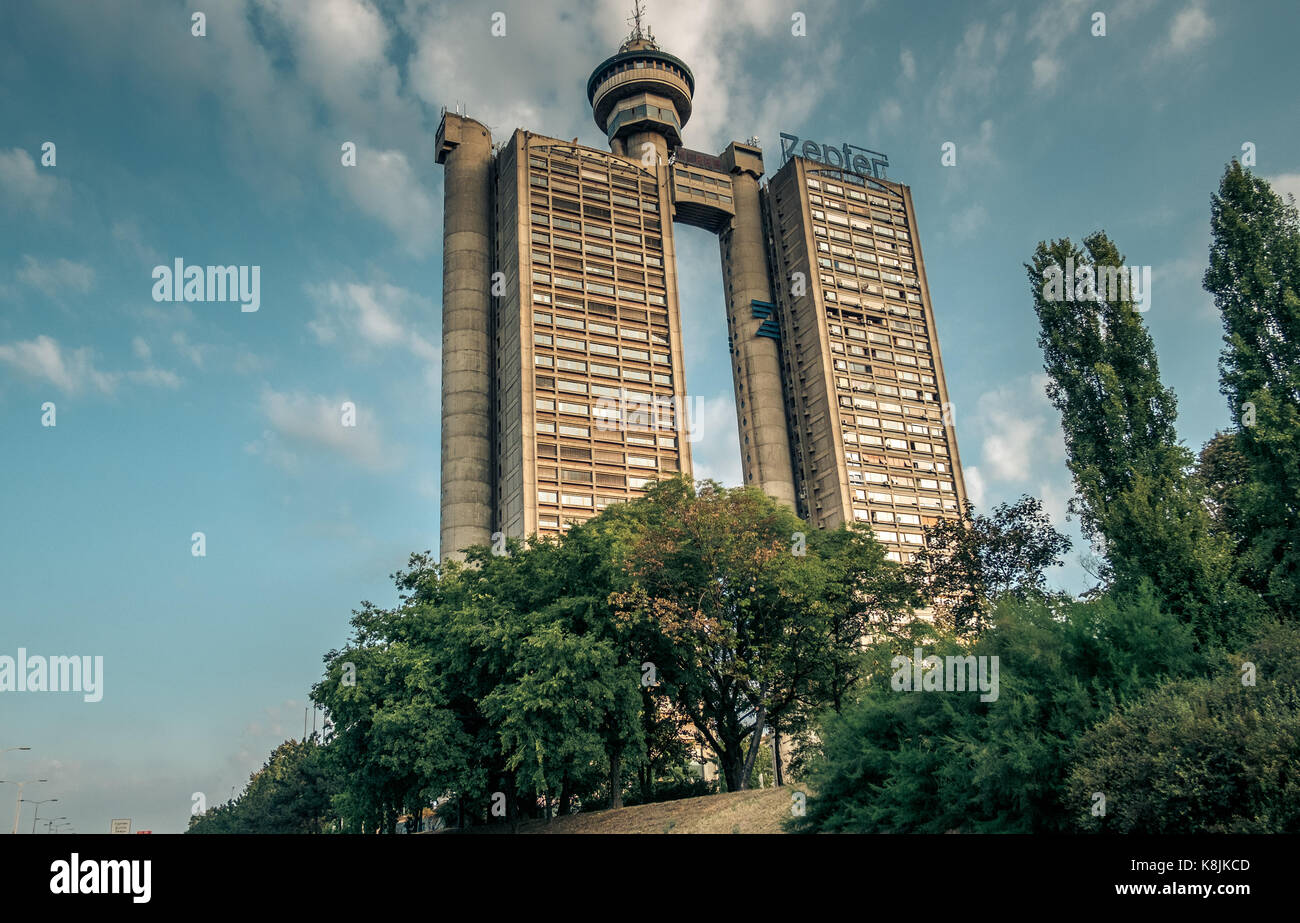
[867,407]
[563,372]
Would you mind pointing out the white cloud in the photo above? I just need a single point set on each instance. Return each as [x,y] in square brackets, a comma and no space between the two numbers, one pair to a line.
[56,276]
[371,316]
[73,371]
[1053,24]
[889,113]
[128,236]
[141,348]
[967,222]
[192,352]
[45,360]
[301,422]
[1285,183]
[23,185]
[1046,70]
[970,77]
[976,490]
[1190,29]
[1056,498]
[247,362]
[1019,430]
[339,53]
[160,378]
[383,186]
[980,151]
[907,61]
[716,454]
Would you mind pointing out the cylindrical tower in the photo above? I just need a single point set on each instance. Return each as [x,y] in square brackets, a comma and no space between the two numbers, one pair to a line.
[641,98]
[464,148]
[756,359]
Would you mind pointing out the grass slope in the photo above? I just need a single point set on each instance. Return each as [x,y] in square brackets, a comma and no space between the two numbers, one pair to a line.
[759,811]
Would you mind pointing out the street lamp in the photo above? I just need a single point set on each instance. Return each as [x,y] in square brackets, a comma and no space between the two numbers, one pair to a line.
[52,823]
[38,811]
[18,805]
[7,749]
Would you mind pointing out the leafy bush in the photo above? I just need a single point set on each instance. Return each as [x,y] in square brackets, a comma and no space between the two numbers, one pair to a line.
[934,762]
[1210,755]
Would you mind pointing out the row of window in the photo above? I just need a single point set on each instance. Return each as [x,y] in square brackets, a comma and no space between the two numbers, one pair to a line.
[856,195]
[655,335]
[543,361]
[605,231]
[611,416]
[913,499]
[592,165]
[598,349]
[843,205]
[897,480]
[879,387]
[898,426]
[650,65]
[883,339]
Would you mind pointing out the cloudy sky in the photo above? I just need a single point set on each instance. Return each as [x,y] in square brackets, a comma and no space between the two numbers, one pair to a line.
[174,418]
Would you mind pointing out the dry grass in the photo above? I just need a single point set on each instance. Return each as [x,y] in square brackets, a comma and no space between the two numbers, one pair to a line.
[759,811]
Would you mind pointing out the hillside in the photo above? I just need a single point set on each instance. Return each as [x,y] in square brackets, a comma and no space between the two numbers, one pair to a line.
[759,811]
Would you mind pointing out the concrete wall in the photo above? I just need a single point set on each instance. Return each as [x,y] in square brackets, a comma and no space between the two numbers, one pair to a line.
[756,360]
[464,148]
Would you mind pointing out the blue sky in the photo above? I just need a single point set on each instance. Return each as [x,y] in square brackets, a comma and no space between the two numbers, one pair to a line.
[225,149]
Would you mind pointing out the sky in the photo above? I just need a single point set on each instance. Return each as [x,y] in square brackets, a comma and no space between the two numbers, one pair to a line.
[173,418]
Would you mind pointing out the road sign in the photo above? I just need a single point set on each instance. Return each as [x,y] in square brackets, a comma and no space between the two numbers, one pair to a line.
[144,831]
[120,826]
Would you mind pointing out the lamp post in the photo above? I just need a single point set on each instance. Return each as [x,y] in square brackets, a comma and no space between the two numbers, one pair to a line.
[7,749]
[18,804]
[53,822]
[37,812]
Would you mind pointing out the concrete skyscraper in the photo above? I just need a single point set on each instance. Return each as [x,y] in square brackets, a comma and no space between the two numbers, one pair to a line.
[563,374]
[867,406]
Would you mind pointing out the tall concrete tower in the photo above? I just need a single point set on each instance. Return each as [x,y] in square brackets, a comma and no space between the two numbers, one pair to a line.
[464,148]
[641,98]
[563,379]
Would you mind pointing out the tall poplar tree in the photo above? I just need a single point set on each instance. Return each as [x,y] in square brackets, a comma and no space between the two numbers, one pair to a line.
[1135,496]
[1254,276]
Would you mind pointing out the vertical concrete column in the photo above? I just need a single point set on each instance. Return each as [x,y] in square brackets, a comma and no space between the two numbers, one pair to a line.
[464,148]
[756,362]
[687,424]
[635,146]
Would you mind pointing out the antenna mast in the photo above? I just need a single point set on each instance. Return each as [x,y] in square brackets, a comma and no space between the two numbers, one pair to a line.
[638,31]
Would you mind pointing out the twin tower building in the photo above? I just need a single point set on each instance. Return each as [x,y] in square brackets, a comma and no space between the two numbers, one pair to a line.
[563,375]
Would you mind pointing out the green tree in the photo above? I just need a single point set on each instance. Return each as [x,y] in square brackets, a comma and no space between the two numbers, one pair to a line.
[967,564]
[1225,472]
[1208,755]
[936,762]
[1135,496]
[1254,276]
[291,793]
[743,622]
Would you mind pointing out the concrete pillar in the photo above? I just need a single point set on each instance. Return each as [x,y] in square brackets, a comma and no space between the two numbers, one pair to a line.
[464,148]
[635,146]
[756,361]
